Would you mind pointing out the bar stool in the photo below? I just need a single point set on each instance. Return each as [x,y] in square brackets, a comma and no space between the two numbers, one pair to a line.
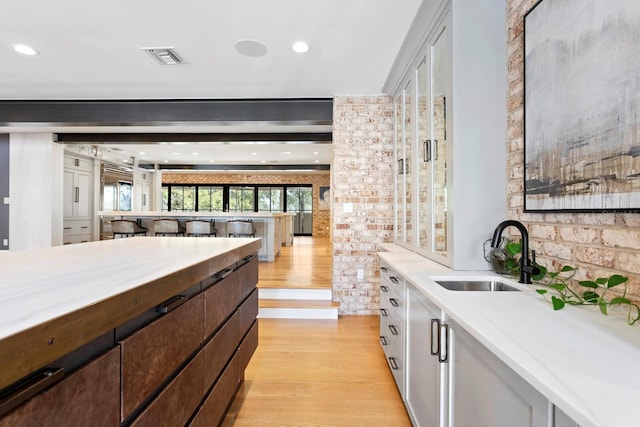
[126,228]
[167,227]
[240,228]
[198,227]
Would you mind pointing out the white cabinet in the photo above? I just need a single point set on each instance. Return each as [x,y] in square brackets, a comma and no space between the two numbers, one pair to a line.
[484,392]
[392,323]
[142,185]
[78,200]
[424,368]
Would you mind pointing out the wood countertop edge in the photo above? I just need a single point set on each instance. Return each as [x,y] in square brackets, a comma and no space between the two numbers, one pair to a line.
[31,349]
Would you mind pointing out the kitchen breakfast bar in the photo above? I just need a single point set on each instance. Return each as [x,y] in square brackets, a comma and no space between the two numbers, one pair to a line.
[274,228]
[137,331]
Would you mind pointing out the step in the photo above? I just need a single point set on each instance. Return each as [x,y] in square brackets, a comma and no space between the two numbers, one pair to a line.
[295,294]
[297,309]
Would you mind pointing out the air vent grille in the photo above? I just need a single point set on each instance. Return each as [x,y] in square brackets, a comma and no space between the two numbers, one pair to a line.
[164,55]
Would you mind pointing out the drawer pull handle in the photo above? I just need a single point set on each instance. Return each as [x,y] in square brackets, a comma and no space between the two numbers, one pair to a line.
[393,363]
[384,269]
[394,279]
[224,273]
[383,312]
[435,343]
[171,304]
[67,228]
[394,302]
[250,257]
[444,353]
[394,330]
[84,227]
[384,288]
[383,340]
[28,387]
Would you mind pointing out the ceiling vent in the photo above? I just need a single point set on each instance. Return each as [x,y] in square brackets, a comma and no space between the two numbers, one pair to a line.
[164,55]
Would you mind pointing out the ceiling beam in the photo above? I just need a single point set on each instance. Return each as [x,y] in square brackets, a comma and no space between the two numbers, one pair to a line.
[236,167]
[155,138]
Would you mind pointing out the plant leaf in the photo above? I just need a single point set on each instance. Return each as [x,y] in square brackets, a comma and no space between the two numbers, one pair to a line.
[616,280]
[541,291]
[591,296]
[603,307]
[513,248]
[566,268]
[619,300]
[588,284]
[558,286]
[558,304]
[601,280]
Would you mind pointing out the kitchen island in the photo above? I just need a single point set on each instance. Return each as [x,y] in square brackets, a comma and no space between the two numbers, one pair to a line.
[268,225]
[151,316]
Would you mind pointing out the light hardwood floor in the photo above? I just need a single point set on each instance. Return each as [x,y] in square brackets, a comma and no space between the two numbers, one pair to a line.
[316,372]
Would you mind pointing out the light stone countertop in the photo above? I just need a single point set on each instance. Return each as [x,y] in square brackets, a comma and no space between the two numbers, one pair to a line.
[582,361]
[42,291]
[188,214]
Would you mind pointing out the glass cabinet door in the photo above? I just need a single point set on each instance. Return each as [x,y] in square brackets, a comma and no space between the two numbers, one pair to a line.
[399,156]
[408,132]
[424,169]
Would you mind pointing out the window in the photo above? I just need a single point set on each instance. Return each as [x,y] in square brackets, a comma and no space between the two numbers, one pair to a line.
[241,199]
[210,199]
[183,198]
[270,199]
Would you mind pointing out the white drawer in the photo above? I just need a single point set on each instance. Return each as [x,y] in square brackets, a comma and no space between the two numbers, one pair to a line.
[76,238]
[71,228]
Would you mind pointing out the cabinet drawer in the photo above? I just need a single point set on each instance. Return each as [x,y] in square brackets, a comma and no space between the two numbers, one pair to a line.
[248,312]
[89,396]
[153,353]
[76,227]
[391,302]
[220,301]
[247,348]
[391,339]
[177,402]
[77,238]
[391,277]
[248,275]
[220,349]
[214,407]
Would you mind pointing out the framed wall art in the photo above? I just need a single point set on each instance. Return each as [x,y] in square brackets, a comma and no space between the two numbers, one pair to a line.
[582,106]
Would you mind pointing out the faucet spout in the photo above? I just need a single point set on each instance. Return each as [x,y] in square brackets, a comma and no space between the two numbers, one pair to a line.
[527,268]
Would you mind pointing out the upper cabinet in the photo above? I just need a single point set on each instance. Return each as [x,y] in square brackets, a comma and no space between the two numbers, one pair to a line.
[449,89]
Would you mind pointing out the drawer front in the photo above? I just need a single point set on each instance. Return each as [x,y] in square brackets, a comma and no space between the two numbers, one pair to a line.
[391,302]
[392,279]
[220,349]
[165,344]
[248,312]
[247,348]
[78,238]
[214,407]
[89,396]
[248,275]
[177,402]
[71,228]
[220,301]
[391,340]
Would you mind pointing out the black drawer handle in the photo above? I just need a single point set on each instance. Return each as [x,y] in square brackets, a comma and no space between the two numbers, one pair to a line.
[383,312]
[384,269]
[394,279]
[224,273]
[394,330]
[383,340]
[384,288]
[393,363]
[28,387]
[250,257]
[171,304]
[394,302]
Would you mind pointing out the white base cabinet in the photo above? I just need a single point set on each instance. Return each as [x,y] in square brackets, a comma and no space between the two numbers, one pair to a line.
[392,323]
[484,392]
[77,200]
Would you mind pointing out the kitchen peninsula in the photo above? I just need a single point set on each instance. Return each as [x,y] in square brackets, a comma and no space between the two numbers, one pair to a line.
[274,228]
[145,329]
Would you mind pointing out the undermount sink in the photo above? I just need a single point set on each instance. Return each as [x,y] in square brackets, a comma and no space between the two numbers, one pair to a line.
[476,285]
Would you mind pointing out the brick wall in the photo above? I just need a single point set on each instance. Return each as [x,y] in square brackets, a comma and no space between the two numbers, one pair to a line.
[321,218]
[362,174]
[598,244]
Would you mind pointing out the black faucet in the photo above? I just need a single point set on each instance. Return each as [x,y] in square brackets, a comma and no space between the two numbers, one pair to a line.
[527,266]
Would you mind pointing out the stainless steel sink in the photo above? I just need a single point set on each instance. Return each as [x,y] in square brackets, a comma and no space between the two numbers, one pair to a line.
[476,285]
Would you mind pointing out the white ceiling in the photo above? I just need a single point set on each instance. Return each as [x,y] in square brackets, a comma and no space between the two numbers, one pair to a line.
[91,50]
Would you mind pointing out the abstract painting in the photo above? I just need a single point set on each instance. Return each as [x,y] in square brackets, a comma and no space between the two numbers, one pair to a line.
[582,101]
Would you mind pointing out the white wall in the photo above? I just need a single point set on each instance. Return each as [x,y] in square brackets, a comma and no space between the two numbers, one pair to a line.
[35,193]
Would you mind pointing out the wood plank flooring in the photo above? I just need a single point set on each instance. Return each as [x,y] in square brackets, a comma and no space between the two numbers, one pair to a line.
[305,264]
[316,373]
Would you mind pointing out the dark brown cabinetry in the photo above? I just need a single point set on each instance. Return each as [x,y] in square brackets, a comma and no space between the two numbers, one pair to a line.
[175,367]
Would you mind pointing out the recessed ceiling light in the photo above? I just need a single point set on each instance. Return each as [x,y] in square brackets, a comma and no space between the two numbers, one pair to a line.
[286,152]
[254,154]
[317,161]
[142,153]
[212,161]
[315,153]
[166,161]
[263,161]
[176,153]
[251,48]
[195,154]
[300,47]
[25,50]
